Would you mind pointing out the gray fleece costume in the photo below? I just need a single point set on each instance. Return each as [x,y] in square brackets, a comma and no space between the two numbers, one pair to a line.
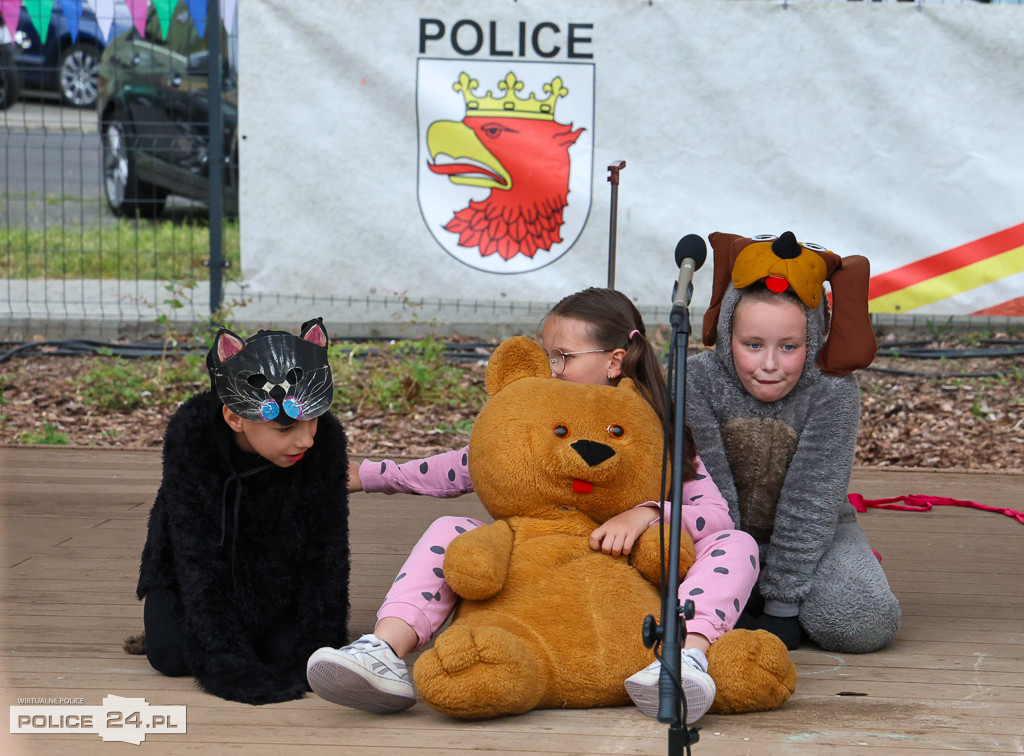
[784,467]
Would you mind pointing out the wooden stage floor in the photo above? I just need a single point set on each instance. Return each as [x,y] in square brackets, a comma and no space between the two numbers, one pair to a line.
[73,524]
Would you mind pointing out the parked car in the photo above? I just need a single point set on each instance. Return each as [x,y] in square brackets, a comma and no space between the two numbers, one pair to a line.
[63,65]
[153,113]
[10,79]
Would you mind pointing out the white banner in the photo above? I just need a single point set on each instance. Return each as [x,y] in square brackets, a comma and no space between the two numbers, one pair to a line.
[886,129]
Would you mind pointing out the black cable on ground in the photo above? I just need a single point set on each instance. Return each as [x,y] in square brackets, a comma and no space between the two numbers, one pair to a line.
[922,374]
[477,351]
[79,347]
[454,352]
[929,353]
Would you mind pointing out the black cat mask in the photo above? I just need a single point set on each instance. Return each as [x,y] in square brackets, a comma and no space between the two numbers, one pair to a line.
[273,375]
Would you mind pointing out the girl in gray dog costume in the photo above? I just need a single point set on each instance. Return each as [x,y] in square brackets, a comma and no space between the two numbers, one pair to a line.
[780,442]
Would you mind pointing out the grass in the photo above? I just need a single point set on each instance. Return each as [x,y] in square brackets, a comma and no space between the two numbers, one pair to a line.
[3,401]
[48,435]
[161,250]
[396,376]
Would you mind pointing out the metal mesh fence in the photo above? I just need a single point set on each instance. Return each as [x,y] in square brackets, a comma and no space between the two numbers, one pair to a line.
[107,226]
[106,168]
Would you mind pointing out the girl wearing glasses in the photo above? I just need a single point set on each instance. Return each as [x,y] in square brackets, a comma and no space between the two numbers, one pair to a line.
[594,336]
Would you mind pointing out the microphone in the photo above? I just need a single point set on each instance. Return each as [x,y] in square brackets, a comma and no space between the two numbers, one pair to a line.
[691,252]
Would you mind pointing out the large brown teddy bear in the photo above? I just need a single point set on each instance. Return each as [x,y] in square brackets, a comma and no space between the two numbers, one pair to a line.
[545,621]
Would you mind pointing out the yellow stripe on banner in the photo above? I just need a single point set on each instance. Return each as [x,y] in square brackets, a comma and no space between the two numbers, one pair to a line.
[950,284]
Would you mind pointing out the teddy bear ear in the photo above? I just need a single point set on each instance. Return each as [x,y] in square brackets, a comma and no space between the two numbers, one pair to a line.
[515,358]
[627,383]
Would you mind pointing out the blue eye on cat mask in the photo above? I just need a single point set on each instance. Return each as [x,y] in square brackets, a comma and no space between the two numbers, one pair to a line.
[274,375]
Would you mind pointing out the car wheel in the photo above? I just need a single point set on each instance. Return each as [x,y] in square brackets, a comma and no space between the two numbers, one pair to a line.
[126,195]
[77,75]
[10,80]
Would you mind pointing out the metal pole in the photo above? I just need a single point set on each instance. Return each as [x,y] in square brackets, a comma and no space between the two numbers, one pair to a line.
[613,177]
[673,616]
[215,154]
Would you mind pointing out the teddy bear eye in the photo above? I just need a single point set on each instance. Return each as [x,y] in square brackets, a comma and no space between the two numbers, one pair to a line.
[815,247]
[561,431]
[616,431]
[764,237]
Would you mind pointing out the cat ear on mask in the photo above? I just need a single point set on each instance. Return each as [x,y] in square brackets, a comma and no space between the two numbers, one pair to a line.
[227,344]
[314,332]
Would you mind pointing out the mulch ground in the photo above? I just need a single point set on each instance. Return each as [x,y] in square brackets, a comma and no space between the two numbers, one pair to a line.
[948,412]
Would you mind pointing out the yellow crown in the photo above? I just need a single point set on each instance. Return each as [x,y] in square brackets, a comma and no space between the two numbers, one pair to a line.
[509,105]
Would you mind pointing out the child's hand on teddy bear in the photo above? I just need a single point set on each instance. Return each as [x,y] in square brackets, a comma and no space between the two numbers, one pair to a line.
[646,553]
[618,534]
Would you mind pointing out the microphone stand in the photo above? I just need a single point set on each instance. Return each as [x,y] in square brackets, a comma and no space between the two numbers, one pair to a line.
[672,703]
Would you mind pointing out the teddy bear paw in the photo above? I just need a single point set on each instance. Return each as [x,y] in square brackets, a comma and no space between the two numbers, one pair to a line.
[752,672]
[478,672]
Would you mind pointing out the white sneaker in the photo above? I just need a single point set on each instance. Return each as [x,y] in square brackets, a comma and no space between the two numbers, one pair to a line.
[698,687]
[366,675]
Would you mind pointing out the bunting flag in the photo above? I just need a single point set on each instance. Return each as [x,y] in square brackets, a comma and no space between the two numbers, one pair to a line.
[197,9]
[104,10]
[229,16]
[10,10]
[39,11]
[138,10]
[164,9]
[983,267]
[73,13]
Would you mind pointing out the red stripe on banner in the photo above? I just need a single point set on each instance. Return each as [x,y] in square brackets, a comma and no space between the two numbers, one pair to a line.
[1012,308]
[945,262]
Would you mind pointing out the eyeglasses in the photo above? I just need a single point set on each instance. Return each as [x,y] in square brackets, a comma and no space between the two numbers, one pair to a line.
[557,358]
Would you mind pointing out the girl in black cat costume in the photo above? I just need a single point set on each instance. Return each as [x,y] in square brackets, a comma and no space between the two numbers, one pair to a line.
[246,563]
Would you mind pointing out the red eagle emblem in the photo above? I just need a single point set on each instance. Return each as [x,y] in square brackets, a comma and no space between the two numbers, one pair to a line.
[515,147]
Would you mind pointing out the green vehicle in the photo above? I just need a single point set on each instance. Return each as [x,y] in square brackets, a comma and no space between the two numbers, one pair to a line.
[153,112]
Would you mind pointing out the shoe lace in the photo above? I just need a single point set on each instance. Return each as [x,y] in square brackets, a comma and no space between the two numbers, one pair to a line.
[367,644]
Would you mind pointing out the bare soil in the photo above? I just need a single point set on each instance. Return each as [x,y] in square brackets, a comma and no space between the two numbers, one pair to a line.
[950,412]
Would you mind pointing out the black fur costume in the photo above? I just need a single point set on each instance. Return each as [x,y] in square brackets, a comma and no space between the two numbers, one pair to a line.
[237,555]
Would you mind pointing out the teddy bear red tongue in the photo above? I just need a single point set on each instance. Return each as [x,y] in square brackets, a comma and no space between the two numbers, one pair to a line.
[582,486]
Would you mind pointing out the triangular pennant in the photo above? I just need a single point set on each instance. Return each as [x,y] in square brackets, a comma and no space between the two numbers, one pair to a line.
[197,9]
[164,9]
[10,11]
[39,12]
[73,14]
[229,15]
[138,9]
[104,16]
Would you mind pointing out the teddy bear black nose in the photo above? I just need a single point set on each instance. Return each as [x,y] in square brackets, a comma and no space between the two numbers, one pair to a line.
[593,453]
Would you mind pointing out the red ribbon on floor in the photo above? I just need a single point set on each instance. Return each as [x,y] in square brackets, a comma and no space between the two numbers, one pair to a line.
[919,503]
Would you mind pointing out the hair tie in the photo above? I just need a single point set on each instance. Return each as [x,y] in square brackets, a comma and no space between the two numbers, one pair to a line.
[633,333]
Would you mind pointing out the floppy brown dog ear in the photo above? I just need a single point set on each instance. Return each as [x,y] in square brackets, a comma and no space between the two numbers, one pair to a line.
[726,248]
[851,343]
